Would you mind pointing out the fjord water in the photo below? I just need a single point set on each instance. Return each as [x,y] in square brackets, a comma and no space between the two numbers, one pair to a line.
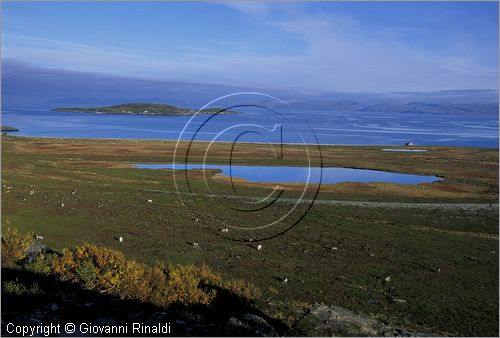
[328,127]
[278,174]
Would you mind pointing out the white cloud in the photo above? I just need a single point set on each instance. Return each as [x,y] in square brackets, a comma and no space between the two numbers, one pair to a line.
[250,7]
[338,57]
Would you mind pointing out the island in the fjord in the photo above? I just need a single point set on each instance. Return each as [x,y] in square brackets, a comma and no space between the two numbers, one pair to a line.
[8,129]
[145,109]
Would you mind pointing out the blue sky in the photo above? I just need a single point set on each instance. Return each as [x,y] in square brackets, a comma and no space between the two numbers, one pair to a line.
[325,46]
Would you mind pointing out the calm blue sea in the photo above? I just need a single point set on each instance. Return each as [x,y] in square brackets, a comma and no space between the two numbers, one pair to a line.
[263,126]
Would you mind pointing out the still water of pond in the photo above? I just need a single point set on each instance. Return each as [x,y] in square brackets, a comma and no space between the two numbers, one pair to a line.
[281,174]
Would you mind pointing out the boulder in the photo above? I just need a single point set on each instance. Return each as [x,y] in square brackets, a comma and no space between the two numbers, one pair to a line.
[250,325]
[36,249]
[324,320]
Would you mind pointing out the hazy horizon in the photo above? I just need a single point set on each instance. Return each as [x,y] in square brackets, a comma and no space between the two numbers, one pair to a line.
[320,47]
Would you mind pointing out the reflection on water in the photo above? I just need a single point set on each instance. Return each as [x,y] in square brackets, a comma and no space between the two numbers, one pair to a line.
[278,174]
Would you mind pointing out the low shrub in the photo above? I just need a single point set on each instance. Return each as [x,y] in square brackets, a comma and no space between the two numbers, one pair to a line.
[19,289]
[14,245]
[188,284]
[42,264]
[107,270]
[242,289]
[137,281]
[96,267]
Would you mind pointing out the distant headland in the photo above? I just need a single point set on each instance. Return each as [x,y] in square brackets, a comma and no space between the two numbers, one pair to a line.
[144,109]
[8,129]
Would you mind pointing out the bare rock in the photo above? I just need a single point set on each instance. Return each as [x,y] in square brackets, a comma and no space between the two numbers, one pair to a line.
[324,320]
[251,325]
[36,249]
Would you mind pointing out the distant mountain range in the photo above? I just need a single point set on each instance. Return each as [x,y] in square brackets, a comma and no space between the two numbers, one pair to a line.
[27,86]
[399,107]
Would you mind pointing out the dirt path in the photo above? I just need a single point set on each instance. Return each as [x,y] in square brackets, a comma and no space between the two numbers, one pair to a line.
[458,233]
[367,204]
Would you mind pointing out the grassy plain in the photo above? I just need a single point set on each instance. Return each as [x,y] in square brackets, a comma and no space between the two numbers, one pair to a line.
[442,261]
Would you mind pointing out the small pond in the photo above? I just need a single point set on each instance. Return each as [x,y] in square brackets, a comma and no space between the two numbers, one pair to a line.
[279,174]
[398,150]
